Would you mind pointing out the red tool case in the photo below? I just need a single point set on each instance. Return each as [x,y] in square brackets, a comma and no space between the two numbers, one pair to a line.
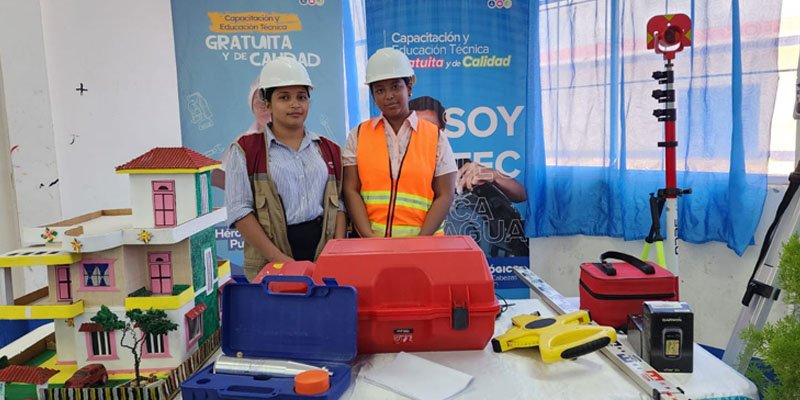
[611,291]
[415,293]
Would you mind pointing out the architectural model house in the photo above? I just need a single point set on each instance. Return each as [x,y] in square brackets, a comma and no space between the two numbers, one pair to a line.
[159,254]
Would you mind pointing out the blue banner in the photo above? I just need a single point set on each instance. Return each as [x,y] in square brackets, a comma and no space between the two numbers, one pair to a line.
[220,47]
[471,58]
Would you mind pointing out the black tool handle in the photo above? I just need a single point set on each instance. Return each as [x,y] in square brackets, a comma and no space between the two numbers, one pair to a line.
[606,268]
[585,348]
[639,264]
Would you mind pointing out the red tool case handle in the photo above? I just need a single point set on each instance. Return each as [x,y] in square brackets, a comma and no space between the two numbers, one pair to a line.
[607,269]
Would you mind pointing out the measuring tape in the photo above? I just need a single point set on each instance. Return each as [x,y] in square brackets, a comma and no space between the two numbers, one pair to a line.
[645,376]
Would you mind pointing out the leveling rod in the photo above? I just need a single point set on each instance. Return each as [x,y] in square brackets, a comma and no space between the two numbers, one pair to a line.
[640,372]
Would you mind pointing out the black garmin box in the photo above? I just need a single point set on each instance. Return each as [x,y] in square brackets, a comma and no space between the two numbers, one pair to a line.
[667,335]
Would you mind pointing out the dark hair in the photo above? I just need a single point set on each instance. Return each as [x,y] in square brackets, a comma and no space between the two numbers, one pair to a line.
[428,103]
[266,94]
[406,79]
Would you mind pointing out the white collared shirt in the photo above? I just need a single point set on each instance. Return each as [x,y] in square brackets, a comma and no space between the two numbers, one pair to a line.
[299,176]
[398,144]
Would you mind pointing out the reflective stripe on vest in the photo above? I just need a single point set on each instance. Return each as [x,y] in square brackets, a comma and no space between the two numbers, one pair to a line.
[402,203]
[402,230]
[401,200]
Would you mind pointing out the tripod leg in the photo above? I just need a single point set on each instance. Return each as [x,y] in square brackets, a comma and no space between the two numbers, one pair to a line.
[654,236]
[662,259]
[646,251]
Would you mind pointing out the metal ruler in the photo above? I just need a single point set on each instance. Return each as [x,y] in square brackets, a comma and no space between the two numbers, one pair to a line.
[641,373]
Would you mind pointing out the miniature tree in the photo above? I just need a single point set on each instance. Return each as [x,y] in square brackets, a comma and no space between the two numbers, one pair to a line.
[779,343]
[140,324]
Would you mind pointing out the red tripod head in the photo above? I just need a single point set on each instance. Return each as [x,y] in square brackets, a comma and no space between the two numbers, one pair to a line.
[669,34]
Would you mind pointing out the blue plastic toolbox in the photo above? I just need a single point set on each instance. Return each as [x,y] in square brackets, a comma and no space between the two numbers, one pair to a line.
[317,327]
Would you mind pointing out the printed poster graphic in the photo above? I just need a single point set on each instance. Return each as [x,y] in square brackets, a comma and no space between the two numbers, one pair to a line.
[470,59]
[220,47]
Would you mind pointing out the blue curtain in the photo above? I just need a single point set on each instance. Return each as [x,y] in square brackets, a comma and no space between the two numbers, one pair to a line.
[592,157]
[102,274]
[88,270]
[350,64]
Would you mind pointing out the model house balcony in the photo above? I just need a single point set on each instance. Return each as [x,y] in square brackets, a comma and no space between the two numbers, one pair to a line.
[144,299]
[42,310]
[108,229]
[38,255]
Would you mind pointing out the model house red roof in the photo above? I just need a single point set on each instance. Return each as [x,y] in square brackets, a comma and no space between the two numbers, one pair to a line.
[90,327]
[196,311]
[26,374]
[169,158]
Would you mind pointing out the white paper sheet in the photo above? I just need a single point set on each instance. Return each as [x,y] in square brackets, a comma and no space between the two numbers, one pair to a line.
[418,378]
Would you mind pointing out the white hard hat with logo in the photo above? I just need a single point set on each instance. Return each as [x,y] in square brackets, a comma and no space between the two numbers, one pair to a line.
[283,71]
[388,63]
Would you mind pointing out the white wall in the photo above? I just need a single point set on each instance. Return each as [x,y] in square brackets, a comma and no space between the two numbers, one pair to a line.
[713,277]
[124,54]
[8,204]
[26,103]
[65,338]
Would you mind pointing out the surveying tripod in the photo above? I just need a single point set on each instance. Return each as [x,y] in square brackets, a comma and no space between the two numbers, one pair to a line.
[667,35]
[762,289]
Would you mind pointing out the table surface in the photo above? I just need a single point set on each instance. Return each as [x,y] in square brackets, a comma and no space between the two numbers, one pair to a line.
[520,373]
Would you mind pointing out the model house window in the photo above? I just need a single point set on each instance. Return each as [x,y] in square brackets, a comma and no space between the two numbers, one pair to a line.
[195,327]
[63,283]
[203,194]
[208,259]
[101,343]
[164,203]
[160,273]
[155,344]
[194,324]
[97,275]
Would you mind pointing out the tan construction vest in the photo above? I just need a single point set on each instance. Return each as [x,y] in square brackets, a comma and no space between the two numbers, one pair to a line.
[267,203]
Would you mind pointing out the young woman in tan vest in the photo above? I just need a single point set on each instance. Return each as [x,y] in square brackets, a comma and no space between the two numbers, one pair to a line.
[283,183]
[399,171]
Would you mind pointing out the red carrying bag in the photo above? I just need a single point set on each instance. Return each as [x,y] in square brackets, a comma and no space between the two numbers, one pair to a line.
[612,290]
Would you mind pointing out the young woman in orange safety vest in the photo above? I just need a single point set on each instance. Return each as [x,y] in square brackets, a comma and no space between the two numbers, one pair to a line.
[399,171]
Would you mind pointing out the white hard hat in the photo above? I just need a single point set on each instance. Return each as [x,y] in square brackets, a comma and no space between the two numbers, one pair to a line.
[283,71]
[388,63]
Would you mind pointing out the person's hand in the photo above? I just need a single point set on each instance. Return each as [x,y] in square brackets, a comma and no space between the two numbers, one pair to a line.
[281,258]
[368,234]
[471,175]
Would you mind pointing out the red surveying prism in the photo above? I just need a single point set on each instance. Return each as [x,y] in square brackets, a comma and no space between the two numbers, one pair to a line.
[667,35]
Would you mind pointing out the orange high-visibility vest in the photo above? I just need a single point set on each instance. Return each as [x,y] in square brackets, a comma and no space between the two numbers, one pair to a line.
[397,207]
